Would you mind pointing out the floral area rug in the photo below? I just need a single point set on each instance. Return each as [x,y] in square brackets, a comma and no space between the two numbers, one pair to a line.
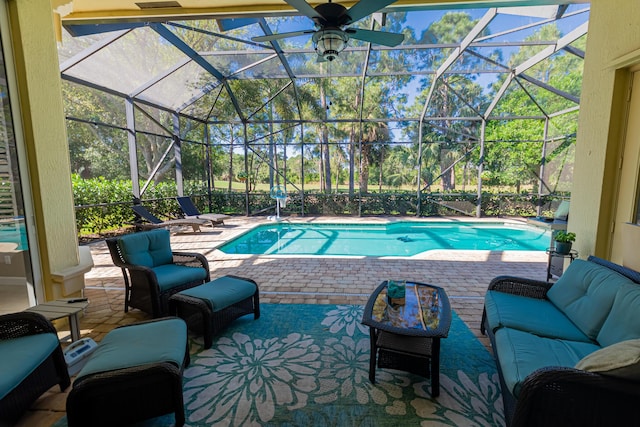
[308,365]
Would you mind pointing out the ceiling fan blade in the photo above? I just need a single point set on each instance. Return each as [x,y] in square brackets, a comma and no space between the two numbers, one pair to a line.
[233,23]
[320,58]
[377,37]
[364,8]
[305,8]
[281,36]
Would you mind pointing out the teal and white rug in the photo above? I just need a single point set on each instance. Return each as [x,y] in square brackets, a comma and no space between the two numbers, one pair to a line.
[308,365]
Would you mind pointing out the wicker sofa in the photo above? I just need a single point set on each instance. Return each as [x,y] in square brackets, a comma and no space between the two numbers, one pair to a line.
[31,362]
[568,354]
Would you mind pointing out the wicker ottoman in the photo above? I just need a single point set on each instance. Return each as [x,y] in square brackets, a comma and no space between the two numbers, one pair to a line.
[212,306]
[134,374]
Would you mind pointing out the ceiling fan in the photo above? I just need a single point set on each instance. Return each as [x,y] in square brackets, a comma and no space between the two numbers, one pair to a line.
[331,20]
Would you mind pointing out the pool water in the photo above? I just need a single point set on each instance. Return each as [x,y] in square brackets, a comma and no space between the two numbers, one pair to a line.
[13,231]
[397,239]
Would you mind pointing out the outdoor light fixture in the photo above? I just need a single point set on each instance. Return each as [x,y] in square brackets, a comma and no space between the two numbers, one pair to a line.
[330,42]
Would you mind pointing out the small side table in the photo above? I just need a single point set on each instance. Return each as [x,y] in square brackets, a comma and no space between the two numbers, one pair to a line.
[407,337]
[58,309]
[555,262]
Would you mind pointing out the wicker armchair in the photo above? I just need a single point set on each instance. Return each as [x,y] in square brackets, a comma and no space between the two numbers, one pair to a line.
[561,396]
[52,370]
[153,272]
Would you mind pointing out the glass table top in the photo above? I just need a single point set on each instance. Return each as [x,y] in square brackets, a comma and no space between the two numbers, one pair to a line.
[425,310]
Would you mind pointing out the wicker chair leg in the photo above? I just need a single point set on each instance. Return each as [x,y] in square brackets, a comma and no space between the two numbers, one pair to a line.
[256,305]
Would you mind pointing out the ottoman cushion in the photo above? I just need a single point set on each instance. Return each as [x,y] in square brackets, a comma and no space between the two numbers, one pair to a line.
[138,345]
[222,292]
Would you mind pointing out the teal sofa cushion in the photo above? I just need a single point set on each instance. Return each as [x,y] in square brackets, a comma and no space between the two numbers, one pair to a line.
[585,293]
[222,292]
[171,275]
[148,248]
[521,353]
[534,315]
[19,357]
[138,345]
[623,322]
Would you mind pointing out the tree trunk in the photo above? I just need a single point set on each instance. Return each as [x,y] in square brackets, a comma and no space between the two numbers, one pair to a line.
[380,169]
[327,159]
[324,144]
[364,176]
[352,152]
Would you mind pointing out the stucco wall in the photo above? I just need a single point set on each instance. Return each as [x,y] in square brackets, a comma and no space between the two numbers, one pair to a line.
[45,136]
[614,31]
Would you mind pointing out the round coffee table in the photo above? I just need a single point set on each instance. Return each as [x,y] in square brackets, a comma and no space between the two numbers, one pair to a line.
[407,336]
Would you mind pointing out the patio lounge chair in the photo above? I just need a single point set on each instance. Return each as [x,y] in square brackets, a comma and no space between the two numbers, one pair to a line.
[155,222]
[191,211]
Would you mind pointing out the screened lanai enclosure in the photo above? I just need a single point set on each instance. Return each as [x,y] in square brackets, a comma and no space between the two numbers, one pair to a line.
[398,110]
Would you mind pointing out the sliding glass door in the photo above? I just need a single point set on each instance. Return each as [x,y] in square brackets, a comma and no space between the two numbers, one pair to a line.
[17,290]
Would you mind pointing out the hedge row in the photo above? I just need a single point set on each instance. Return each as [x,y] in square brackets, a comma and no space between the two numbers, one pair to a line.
[105,206]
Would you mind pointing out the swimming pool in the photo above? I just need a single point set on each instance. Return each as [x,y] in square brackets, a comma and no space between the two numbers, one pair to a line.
[13,231]
[405,238]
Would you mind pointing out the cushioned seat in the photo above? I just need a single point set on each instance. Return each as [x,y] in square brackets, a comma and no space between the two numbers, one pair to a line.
[534,315]
[23,356]
[210,307]
[134,374]
[171,275]
[31,362]
[521,353]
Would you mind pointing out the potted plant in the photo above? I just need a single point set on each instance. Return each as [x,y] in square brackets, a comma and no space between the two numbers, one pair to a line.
[564,241]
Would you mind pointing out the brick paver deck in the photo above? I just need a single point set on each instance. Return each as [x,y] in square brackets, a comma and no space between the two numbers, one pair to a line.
[300,279]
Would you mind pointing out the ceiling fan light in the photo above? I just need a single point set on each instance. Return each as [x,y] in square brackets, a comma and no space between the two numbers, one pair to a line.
[329,43]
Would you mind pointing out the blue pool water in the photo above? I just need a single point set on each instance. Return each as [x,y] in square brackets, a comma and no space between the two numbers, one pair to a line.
[13,231]
[397,239]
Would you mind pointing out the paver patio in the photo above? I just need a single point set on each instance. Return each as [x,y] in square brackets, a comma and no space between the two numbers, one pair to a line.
[299,279]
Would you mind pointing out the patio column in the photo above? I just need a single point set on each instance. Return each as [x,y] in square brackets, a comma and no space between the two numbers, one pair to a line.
[32,70]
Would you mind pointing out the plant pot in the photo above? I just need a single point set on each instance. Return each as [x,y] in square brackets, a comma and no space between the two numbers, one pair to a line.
[563,248]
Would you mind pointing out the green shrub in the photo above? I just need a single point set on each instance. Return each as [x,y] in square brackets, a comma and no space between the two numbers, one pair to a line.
[105,205]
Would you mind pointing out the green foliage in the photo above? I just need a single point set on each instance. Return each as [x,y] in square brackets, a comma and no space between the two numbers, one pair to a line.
[105,205]
[346,141]
[564,237]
